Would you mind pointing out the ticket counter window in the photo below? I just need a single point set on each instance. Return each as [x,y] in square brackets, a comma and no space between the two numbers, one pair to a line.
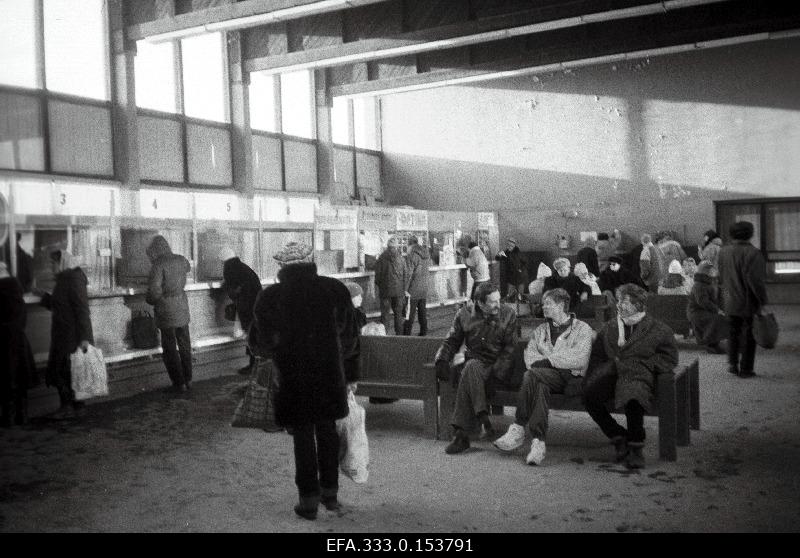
[272,242]
[210,243]
[133,266]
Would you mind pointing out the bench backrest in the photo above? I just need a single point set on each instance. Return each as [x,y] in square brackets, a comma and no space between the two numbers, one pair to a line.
[397,359]
[670,309]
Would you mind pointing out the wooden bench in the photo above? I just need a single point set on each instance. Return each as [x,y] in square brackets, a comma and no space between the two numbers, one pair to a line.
[677,401]
[392,366]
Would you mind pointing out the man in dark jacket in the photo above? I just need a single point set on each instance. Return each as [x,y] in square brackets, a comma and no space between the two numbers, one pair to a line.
[417,262]
[306,323]
[489,332]
[742,272]
[626,356]
[242,286]
[390,269]
[165,292]
[563,278]
[24,267]
[513,269]
[17,368]
[588,256]
[614,276]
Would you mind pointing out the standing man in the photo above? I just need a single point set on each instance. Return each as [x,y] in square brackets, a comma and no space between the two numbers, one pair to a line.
[417,273]
[557,353]
[478,267]
[242,286]
[514,269]
[390,279]
[742,272]
[307,324]
[165,292]
[24,267]
[489,333]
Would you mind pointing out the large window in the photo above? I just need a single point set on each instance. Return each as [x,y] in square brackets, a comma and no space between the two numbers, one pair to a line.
[155,76]
[340,121]
[205,77]
[365,122]
[18,43]
[262,94]
[297,104]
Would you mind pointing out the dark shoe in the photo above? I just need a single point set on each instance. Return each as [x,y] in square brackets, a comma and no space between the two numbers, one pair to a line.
[635,459]
[733,369]
[487,431]
[244,370]
[331,503]
[746,374]
[460,443]
[715,349]
[307,508]
[380,400]
[620,448]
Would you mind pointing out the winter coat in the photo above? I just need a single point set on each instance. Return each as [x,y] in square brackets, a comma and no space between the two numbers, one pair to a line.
[478,265]
[71,321]
[604,250]
[672,250]
[710,252]
[17,369]
[307,324]
[632,263]
[702,311]
[514,269]
[417,263]
[649,350]
[611,280]
[165,287]
[24,269]
[390,270]
[674,284]
[741,273]
[652,267]
[571,349]
[571,284]
[242,286]
[489,339]
[588,256]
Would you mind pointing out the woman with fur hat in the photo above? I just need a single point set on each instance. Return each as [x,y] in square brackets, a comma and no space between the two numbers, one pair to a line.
[703,312]
[613,277]
[674,283]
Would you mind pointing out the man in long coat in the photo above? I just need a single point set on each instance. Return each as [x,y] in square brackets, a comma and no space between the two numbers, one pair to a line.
[390,279]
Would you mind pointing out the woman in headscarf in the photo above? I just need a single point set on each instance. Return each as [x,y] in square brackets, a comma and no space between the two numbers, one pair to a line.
[17,368]
[708,250]
[674,282]
[708,320]
[71,326]
[536,288]
[582,273]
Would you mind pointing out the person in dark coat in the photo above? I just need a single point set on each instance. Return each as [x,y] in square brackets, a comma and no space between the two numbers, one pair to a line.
[703,312]
[357,297]
[24,267]
[165,292]
[632,263]
[742,272]
[626,356]
[390,270]
[17,369]
[71,326]
[513,269]
[564,279]
[306,323]
[588,256]
[242,286]
[614,276]
[417,262]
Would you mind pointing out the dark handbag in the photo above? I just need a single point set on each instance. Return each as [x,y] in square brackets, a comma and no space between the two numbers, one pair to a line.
[144,331]
[230,312]
[765,330]
[257,408]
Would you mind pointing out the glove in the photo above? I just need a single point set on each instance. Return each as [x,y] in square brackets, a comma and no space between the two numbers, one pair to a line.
[442,370]
[543,363]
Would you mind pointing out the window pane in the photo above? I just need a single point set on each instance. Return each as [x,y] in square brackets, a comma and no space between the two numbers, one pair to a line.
[204,78]
[365,122]
[155,76]
[80,139]
[21,137]
[730,214]
[783,226]
[75,51]
[297,105]
[340,121]
[262,102]
[18,43]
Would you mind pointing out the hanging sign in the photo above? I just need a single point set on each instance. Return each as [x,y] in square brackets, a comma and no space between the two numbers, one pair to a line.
[412,220]
[335,219]
[373,218]
[223,207]
[77,199]
[163,204]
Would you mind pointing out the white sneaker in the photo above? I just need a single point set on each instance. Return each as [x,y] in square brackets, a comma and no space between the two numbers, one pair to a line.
[512,439]
[536,455]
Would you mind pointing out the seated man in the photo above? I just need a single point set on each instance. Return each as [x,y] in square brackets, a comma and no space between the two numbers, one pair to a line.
[489,333]
[564,279]
[626,356]
[557,353]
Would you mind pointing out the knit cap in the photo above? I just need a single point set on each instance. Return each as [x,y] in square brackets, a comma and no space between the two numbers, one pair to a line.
[294,252]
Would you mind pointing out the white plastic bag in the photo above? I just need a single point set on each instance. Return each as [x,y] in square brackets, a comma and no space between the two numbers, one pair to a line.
[88,370]
[353,443]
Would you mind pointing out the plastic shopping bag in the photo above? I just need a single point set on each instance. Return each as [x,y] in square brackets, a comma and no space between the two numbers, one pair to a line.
[354,446]
[88,370]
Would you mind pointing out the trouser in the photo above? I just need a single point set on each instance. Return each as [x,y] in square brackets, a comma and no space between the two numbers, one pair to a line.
[177,360]
[595,397]
[741,326]
[395,305]
[316,458]
[417,306]
[246,328]
[532,399]
[471,394]
[475,286]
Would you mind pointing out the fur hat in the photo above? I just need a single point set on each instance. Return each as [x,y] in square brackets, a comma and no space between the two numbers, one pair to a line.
[674,267]
[561,262]
[742,230]
[615,259]
[294,252]
[355,289]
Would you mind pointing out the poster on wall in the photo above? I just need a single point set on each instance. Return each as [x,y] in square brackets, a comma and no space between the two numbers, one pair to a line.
[377,218]
[412,220]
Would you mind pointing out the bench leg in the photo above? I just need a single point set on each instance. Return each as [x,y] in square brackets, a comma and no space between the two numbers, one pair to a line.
[682,410]
[447,402]
[694,395]
[666,418]
[430,410]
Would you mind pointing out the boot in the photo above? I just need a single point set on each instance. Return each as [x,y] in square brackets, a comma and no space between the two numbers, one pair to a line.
[307,507]
[635,459]
[620,448]
[330,500]
[460,442]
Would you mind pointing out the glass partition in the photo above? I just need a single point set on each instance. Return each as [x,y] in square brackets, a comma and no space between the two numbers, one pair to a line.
[213,238]
[133,265]
[273,241]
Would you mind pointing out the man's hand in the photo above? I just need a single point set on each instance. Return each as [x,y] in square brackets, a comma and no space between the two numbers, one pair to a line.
[84,345]
[38,292]
[352,387]
[442,370]
[584,297]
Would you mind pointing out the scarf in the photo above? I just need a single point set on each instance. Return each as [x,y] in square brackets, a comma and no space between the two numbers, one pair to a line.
[629,321]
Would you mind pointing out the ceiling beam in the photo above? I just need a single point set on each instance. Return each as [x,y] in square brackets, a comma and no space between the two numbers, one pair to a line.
[453,36]
[521,66]
[238,15]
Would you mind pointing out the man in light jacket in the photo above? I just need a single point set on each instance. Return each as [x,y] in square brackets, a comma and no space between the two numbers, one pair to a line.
[417,273]
[557,353]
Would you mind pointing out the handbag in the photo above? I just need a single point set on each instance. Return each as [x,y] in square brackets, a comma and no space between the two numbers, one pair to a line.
[257,407]
[353,442]
[230,312]
[144,331]
[765,330]
[89,377]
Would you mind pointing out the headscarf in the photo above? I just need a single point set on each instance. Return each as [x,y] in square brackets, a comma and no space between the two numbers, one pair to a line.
[675,267]
[65,259]
[543,271]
